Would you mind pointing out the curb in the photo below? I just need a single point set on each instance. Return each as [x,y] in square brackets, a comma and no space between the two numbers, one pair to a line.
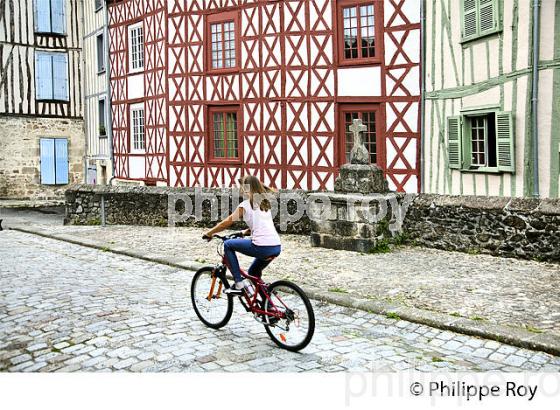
[509,335]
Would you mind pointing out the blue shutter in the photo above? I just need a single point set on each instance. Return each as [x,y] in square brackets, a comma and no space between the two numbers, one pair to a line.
[61,156]
[60,75]
[47,161]
[43,16]
[58,18]
[43,76]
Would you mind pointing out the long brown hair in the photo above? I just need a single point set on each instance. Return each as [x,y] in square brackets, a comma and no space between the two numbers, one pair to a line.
[257,187]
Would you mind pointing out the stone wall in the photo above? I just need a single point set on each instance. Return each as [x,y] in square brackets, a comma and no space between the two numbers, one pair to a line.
[20,155]
[512,227]
[141,205]
[523,228]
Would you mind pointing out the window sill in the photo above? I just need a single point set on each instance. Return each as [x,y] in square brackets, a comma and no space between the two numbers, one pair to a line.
[51,100]
[98,9]
[224,161]
[359,62]
[100,72]
[136,71]
[218,71]
[483,170]
[50,33]
[103,136]
[465,41]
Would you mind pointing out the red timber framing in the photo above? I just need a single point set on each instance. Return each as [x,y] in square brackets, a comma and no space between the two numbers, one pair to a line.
[290,85]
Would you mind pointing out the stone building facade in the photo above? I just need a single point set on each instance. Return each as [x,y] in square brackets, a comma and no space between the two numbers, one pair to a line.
[41,99]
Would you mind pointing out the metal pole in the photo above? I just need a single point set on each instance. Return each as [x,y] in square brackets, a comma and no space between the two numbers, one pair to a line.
[102,210]
[535,95]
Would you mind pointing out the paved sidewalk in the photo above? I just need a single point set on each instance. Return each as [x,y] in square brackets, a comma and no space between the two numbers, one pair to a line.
[486,289]
[69,308]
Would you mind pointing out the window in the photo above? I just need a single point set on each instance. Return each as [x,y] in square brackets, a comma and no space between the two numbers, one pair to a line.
[224,135]
[51,76]
[222,33]
[50,17]
[137,128]
[136,47]
[98,5]
[359,39]
[102,118]
[481,141]
[54,161]
[368,115]
[100,53]
[479,18]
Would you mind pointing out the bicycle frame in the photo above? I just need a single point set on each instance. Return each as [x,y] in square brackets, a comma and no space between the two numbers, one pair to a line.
[251,303]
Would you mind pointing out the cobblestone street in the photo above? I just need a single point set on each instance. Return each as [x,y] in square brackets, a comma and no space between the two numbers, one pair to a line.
[65,307]
[509,292]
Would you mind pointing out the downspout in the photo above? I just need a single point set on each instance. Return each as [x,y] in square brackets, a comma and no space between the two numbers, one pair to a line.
[109,125]
[83,87]
[535,95]
[423,90]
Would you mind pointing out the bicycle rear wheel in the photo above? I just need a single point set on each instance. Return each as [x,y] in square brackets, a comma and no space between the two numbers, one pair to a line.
[294,330]
[211,305]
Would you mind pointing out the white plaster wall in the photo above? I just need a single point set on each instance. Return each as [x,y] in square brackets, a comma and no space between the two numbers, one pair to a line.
[361,81]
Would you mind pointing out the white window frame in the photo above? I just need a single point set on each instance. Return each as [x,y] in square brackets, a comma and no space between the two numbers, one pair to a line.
[100,59]
[131,54]
[104,99]
[134,148]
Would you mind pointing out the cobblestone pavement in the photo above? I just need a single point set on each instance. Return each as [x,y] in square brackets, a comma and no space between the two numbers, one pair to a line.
[70,308]
[504,291]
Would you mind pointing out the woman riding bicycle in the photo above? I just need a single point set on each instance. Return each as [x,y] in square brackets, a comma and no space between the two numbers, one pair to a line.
[264,244]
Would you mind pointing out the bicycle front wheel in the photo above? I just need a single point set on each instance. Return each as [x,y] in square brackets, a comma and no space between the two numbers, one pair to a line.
[293,323]
[211,305]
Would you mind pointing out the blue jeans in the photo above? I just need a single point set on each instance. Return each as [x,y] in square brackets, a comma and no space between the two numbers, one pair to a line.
[246,247]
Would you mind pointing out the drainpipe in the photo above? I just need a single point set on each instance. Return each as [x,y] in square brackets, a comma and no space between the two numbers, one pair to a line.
[109,124]
[83,87]
[535,95]
[423,90]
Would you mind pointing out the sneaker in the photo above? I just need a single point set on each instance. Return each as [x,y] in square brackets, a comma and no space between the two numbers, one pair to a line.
[234,290]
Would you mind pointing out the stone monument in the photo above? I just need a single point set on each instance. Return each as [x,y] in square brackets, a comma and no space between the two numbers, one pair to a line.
[359,176]
[348,224]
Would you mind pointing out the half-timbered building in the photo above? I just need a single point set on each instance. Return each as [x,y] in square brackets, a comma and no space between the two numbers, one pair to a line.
[41,123]
[96,95]
[492,98]
[204,91]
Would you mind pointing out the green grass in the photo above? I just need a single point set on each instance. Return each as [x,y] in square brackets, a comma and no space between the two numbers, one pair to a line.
[533,329]
[477,318]
[200,260]
[105,249]
[473,251]
[93,222]
[436,359]
[338,290]
[381,247]
[392,315]
[455,314]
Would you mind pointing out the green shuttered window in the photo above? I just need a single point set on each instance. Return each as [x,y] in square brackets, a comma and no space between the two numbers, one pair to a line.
[481,142]
[51,76]
[50,17]
[480,18]
[54,161]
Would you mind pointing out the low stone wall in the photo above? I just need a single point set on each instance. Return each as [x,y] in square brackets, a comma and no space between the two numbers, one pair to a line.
[512,227]
[152,206]
[522,228]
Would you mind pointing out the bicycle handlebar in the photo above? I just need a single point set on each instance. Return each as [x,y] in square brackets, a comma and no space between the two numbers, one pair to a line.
[225,237]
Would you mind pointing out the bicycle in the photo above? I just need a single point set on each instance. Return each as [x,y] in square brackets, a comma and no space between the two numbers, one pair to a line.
[282,307]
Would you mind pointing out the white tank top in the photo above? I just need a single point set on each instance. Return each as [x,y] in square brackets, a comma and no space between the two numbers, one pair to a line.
[261,224]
